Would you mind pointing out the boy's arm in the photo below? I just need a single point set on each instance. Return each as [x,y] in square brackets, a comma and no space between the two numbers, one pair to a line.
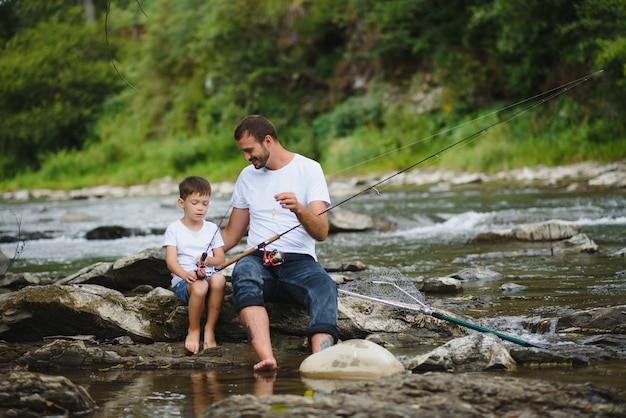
[172,265]
[217,258]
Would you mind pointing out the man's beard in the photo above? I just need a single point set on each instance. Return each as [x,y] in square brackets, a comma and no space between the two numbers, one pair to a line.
[261,161]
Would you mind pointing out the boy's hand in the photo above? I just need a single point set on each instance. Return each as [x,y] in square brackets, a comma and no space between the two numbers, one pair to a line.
[191,276]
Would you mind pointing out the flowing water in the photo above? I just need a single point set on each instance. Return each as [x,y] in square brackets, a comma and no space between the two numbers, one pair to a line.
[430,239]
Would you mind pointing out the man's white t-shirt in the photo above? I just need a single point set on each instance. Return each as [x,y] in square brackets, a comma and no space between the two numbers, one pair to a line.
[191,244]
[255,190]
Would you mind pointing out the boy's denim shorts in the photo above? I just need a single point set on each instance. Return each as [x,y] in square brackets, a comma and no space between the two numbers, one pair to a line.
[180,289]
[298,279]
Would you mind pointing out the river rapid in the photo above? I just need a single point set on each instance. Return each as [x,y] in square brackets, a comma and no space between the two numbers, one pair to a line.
[432,227]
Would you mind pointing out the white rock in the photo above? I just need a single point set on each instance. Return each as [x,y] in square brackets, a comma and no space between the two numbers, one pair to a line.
[352,359]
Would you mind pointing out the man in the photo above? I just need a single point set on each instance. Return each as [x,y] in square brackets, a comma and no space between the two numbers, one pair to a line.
[279,191]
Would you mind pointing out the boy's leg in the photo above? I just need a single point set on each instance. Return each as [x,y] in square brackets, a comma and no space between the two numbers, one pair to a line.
[214,306]
[197,294]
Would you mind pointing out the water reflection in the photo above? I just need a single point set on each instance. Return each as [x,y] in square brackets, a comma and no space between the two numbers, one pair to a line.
[181,393]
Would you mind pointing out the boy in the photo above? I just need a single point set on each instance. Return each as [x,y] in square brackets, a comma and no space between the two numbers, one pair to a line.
[193,246]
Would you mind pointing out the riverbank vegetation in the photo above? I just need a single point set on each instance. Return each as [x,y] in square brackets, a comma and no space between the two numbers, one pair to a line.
[124,92]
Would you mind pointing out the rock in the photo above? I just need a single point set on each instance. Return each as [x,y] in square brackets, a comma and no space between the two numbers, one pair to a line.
[18,281]
[549,358]
[32,394]
[575,245]
[345,266]
[109,232]
[610,179]
[512,287]
[358,318]
[429,395]
[442,285]
[144,268]
[352,359]
[598,320]
[495,236]
[476,274]
[35,312]
[342,220]
[68,354]
[552,230]
[471,353]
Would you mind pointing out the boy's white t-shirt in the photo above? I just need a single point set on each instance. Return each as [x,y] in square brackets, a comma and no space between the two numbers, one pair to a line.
[255,190]
[191,244]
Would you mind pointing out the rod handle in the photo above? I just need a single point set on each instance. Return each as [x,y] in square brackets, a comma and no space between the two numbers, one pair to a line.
[247,252]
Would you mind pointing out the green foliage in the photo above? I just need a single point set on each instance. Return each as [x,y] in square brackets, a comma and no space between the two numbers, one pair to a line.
[345,81]
[53,79]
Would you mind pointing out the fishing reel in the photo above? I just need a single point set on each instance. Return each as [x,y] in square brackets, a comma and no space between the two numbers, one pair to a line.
[273,258]
[201,272]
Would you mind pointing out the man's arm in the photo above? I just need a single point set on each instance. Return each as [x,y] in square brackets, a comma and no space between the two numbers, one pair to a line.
[236,228]
[311,217]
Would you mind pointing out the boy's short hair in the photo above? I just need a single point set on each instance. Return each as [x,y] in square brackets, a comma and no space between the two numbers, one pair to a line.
[194,184]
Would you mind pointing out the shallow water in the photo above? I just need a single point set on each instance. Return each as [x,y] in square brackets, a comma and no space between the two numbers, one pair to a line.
[430,240]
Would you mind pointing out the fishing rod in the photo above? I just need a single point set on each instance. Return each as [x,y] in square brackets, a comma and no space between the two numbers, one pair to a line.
[200,271]
[549,95]
[106,39]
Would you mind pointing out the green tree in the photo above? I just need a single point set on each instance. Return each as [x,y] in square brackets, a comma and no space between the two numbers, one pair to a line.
[54,76]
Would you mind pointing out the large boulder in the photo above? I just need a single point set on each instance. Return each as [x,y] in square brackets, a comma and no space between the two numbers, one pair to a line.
[552,230]
[26,394]
[144,268]
[598,320]
[472,353]
[36,312]
[430,395]
[352,359]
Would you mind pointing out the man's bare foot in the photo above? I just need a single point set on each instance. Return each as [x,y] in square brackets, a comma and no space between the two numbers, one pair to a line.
[209,340]
[192,342]
[265,365]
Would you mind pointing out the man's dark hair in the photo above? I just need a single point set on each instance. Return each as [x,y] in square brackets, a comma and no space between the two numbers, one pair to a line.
[194,184]
[256,126]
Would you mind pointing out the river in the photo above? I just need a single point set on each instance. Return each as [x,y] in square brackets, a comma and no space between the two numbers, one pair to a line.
[430,239]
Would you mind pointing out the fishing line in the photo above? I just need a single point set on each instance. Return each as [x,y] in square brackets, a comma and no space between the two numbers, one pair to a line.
[106,38]
[547,96]
[205,253]
[570,84]
[200,272]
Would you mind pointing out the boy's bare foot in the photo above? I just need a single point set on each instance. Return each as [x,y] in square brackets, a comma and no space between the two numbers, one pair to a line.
[209,344]
[192,342]
[209,339]
[265,365]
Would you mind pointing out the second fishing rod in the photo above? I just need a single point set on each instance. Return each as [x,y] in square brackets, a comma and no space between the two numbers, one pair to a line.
[276,257]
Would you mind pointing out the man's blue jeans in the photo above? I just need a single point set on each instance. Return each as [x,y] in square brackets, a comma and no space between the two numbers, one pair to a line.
[299,279]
